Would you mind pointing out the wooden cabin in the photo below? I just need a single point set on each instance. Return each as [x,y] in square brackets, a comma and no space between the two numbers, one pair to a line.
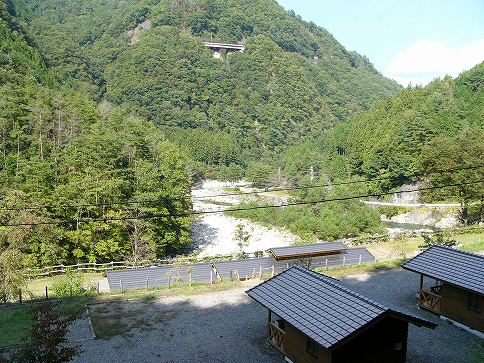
[457,291]
[314,318]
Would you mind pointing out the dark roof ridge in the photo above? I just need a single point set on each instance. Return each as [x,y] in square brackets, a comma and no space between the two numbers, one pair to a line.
[456,250]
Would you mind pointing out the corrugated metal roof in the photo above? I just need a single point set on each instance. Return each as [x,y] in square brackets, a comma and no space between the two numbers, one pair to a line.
[307,250]
[456,267]
[158,276]
[321,307]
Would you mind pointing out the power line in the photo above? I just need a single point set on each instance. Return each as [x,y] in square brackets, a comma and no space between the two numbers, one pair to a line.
[343,183]
[164,199]
[194,213]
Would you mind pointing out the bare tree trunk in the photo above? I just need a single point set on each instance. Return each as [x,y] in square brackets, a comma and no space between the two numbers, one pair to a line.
[18,153]
[41,147]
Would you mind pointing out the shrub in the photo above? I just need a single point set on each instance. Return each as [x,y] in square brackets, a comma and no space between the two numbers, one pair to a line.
[72,283]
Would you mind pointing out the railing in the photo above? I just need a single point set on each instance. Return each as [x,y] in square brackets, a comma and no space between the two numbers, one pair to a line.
[429,300]
[276,336]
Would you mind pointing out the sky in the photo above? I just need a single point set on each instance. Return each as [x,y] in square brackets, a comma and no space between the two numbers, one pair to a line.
[406,40]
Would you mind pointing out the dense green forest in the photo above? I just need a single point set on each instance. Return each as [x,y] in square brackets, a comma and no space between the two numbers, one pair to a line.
[64,161]
[293,80]
[105,103]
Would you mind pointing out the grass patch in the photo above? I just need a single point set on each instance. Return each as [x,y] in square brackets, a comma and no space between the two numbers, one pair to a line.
[337,272]
[217,202]
[232,190]
[14,322]
[36,287]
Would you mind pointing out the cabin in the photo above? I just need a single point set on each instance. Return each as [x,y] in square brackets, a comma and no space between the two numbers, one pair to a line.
[456,291]
[306,251]
[315,318]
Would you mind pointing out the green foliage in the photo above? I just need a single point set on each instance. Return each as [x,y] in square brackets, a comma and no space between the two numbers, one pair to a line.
[47,340]
[12,277]
[57,149]
[293,80]
[71,284]
[438,239]
[391,140]
[327,221]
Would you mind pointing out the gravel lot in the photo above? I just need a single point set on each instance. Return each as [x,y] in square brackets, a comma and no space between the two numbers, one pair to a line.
[221,326]
[228,327]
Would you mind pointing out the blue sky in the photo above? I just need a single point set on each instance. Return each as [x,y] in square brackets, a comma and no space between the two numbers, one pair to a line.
[407,40]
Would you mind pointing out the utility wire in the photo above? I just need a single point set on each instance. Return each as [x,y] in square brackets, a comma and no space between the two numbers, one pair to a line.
[194,213]
[160,200]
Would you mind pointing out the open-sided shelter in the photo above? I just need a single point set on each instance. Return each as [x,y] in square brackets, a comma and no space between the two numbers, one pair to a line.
[306,251]
[458,291]
[315,318]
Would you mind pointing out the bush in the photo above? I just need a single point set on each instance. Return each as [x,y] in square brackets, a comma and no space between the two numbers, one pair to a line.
[72,283]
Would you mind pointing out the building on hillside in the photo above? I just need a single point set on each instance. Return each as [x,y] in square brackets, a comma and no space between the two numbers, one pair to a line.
[315,318]
[220,48]
[457,293]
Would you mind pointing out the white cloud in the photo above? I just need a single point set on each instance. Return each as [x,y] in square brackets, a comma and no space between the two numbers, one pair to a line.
[425,60]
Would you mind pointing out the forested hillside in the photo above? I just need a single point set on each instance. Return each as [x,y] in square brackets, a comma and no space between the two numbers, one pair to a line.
[293,80]
[63,165]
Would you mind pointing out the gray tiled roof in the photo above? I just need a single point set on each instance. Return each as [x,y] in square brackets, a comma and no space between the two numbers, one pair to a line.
[312,249]
[321,307]
[456,267]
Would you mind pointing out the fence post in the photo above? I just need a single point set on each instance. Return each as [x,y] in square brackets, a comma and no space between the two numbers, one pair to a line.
[211,277]
[97,289]
[359,261]
[46,293]
[272,270]
[344,258]
[326,264]
[20,296]
[190,277]
[121,285]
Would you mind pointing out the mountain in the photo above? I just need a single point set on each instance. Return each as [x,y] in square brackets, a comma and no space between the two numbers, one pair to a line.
[293,81]
[64,164]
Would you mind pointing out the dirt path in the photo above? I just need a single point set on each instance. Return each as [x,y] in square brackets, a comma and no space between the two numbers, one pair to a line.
[213,234]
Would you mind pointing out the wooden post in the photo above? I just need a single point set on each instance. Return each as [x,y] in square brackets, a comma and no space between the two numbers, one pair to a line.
[121,284]
[190,277]
[326,264]
[20,296]
[269,318]
[97,289]
[272,270]
[359,261]
[211,277]
[147,282]
[46,293]
[344,258]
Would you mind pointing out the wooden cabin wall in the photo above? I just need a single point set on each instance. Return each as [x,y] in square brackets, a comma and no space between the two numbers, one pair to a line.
[453,304]
[295,347]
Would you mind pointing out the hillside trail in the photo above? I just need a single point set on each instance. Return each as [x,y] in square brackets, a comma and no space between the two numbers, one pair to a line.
[213,234]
